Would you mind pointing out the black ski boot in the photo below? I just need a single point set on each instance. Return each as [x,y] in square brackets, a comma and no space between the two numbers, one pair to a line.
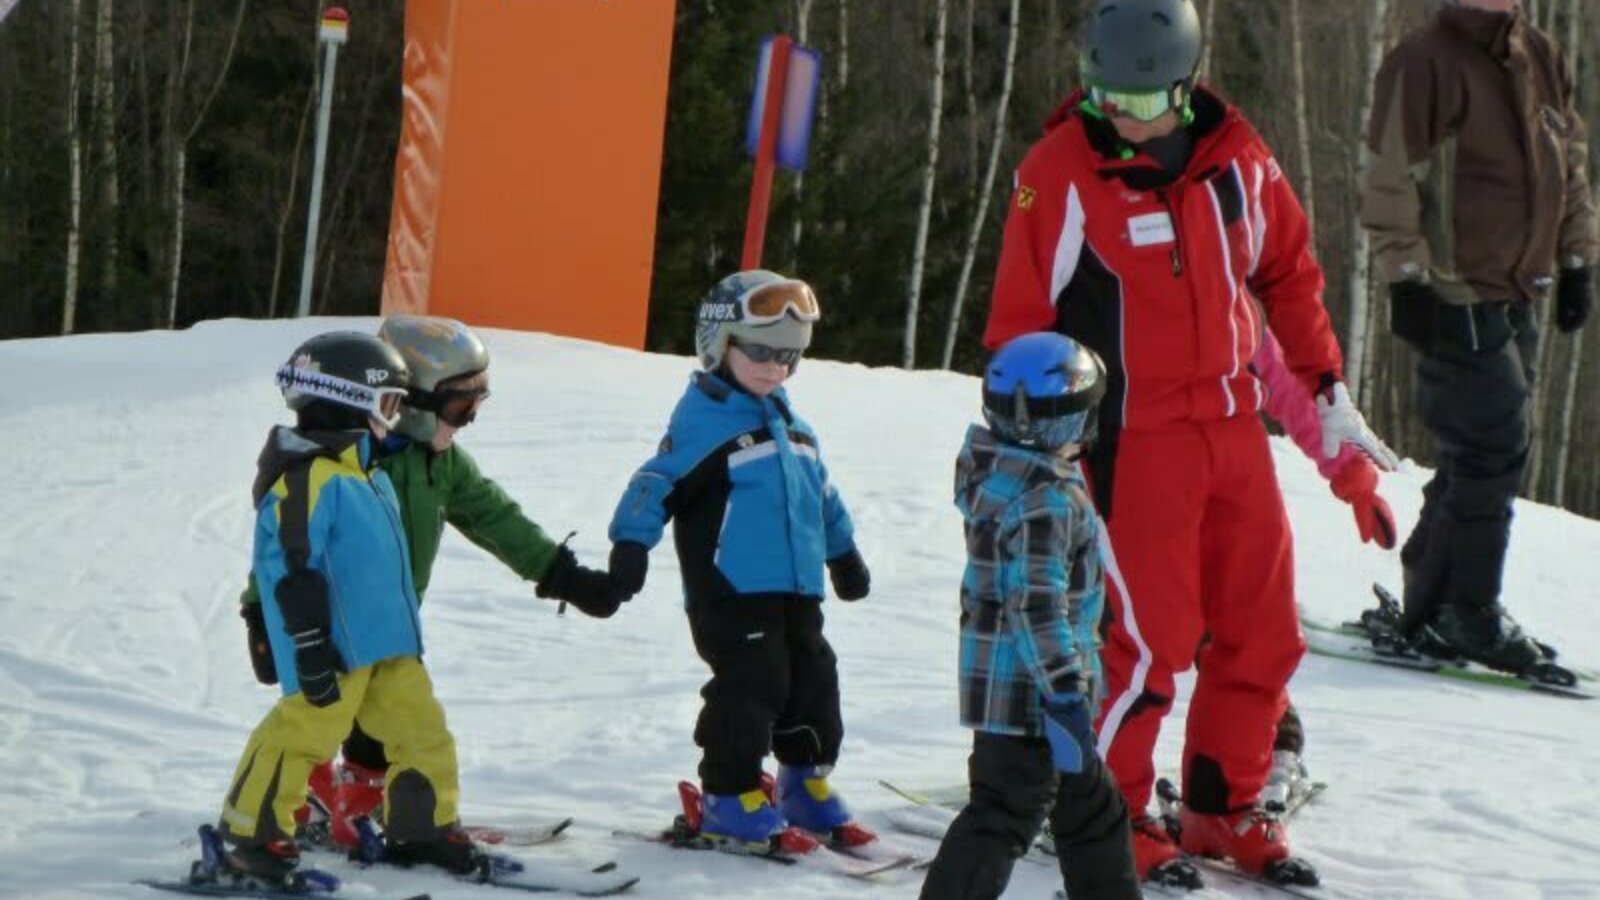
[1488,636]
[272,862]
[452,851]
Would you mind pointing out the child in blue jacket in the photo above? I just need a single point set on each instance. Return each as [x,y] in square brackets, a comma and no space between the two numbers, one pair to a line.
[339,610]
[1031,600]
[755,519]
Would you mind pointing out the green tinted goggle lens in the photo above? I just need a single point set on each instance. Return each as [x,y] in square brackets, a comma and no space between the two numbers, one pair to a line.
[1146,106]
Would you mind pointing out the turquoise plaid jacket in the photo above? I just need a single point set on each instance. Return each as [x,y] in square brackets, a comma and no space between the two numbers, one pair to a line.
[1033,591]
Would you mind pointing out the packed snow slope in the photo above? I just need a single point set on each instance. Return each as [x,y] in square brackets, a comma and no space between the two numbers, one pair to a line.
[126,694]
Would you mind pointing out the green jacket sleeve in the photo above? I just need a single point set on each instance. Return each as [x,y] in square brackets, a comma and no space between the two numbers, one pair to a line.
[482,511]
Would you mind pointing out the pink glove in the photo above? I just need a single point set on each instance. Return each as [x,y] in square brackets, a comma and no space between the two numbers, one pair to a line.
[1357,485]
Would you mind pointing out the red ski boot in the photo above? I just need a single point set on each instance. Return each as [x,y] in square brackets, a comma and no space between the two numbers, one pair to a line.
[359,794]
[313,815]
[1156,857]
[1256,841]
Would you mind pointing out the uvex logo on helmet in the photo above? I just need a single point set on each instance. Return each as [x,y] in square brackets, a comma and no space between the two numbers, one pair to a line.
[719,312]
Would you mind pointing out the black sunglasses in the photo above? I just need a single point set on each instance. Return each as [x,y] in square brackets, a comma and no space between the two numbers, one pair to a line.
[762,353]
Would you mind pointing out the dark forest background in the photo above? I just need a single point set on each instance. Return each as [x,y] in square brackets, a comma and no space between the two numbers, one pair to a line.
[155,157]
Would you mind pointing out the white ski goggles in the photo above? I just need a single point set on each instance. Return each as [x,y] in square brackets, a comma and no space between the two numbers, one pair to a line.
[767,303]
[381,403]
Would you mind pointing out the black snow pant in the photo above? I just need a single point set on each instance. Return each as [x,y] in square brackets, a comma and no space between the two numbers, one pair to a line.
[1014,786]
[1473,388]
[774,685]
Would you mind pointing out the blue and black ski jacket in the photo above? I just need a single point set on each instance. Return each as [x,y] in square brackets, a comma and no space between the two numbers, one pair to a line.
[742,479]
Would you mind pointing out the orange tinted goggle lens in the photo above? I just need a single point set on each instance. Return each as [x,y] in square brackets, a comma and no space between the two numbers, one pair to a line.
[773,300]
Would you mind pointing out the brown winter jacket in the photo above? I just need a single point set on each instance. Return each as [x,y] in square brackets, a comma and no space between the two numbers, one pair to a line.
[1478,180]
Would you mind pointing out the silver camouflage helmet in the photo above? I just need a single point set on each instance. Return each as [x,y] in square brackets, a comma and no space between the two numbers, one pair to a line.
[755,305]
[437,350]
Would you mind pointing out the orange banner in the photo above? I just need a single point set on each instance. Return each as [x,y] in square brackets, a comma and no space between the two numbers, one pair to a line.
[529,164]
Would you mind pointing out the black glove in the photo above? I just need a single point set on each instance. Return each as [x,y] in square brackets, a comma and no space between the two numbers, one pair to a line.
[1573,297]
[590,591]
[630,560]
[1414,313]
[851,580]
[303,599]
[317,663]
[255,632]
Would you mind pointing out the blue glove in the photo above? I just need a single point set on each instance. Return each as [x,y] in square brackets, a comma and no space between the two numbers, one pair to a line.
[1070,730]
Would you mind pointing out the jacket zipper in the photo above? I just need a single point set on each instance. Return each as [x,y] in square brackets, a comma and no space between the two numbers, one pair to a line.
[1177,236]
[405,555]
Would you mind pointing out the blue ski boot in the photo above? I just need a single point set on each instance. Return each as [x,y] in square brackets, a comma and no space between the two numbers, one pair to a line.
[807,801]
[743,818]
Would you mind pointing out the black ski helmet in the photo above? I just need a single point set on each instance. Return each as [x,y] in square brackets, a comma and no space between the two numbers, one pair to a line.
[339,379]
[1141,45]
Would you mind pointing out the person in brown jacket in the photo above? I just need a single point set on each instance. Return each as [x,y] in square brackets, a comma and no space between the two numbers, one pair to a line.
[1478,204]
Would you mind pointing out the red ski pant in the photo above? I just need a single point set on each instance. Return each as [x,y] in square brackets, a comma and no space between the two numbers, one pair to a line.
[1199,543]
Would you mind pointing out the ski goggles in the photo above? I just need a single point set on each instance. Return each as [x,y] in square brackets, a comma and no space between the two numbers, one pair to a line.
[1143,106]
[764,353]
[767,303]
[456,402]
[381,403]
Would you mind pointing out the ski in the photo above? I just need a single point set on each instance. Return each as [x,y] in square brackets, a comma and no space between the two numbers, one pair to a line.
[1170,801]
[518,835]
[213,876]
[789,847]
[1334,642]
[501,870]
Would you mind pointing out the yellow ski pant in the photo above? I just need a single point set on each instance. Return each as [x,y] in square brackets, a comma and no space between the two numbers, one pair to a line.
[394,703]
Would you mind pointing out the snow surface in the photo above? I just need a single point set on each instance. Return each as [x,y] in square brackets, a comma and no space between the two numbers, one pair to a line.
[126,695]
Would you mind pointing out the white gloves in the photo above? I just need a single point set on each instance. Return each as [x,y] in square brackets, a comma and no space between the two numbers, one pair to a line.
[1342,423]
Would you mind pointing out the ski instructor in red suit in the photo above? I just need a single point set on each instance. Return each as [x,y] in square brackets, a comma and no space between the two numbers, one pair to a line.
[1152,224]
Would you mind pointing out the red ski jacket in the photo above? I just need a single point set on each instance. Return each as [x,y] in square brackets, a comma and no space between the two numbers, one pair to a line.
[1165,279]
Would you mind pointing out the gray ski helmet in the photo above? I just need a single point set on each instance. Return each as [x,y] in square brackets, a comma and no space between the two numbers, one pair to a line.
[758,306]
[1141,44]
[340,378]
[438,351]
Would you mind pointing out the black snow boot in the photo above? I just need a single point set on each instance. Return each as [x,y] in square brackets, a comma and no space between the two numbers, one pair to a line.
[1488,636]
[452,851]
[272,862]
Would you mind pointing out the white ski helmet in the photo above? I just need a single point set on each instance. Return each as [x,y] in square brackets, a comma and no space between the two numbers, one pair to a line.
[758,306]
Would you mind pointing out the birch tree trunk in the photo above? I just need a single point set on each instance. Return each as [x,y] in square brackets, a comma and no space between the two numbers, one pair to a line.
[1359,355]
[953,326]
[1564,442]
[1302,120]
[844,44]
[1542,388]
[180,151]
[802,16]
[105,114]
[970,92]
[1208,31]
[925,211]
[286,211]
[69,300]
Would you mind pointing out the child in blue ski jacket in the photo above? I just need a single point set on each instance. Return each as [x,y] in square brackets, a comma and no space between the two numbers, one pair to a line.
[755,519]
[339,614]
[1031,600]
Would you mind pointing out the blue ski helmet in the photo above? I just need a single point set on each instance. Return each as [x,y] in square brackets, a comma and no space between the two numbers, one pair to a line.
[1042,391]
